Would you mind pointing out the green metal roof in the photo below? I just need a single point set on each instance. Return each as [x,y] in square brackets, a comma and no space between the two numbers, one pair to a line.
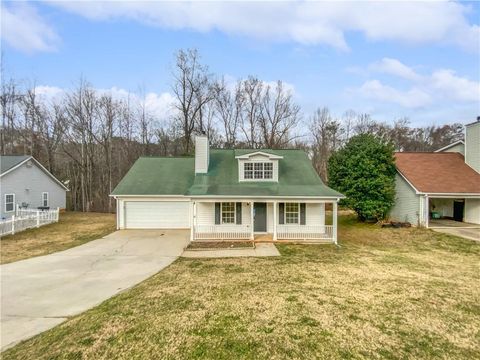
[175,176]
[158,176]
[9,161]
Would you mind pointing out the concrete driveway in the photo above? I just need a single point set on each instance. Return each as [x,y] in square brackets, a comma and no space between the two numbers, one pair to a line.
[469,233]
[41,292]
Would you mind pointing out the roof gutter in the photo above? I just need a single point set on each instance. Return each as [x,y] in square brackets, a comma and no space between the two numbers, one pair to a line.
[115,196]
[451,195]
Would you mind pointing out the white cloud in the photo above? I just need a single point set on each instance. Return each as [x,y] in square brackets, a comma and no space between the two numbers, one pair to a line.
[231,83]
[49,93]
[412,98]
[157,105]
[160,104]
[395,67]
[23,29]
[304,22]
[455,87]
[442,85]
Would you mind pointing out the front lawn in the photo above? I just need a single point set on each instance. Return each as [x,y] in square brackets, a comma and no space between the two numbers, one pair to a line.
[72,229]
[386,293]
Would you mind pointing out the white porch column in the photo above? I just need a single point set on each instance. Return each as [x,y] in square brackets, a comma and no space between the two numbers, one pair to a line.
[275,221]
[335,222]
[252,236]
[194,221]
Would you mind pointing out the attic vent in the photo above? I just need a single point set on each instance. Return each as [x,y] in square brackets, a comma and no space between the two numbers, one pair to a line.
[29,163]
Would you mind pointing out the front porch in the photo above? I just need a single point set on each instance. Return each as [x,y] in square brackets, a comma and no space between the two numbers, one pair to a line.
[301,220]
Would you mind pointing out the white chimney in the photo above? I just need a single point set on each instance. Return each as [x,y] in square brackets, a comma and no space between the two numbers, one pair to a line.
[202,154]
[472,145]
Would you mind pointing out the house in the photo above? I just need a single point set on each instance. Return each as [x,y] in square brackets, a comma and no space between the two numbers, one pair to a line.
[444,184]
[24,182]
[228,194]
[457,146]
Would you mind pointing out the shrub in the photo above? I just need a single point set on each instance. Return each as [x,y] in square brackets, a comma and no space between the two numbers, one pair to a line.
[364,171]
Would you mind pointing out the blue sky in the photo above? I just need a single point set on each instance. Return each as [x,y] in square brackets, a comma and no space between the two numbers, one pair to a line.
[414,59]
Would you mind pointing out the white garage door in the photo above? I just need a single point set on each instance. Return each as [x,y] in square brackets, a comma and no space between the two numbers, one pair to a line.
[157,215]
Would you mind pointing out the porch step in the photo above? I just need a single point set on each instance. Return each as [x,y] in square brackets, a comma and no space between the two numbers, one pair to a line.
[264,237]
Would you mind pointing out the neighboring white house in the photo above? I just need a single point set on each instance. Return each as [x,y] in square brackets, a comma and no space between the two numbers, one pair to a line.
[25,183]
[228,194]
[445,183]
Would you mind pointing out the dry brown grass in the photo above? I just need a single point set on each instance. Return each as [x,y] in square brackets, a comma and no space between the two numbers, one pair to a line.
[386,293]
[73,229]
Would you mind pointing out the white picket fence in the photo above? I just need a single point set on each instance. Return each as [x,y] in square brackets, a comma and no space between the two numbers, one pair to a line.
[26,219]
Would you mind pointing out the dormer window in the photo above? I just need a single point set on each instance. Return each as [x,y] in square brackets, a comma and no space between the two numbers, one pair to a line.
[248,170]
[258,170]
[258,166]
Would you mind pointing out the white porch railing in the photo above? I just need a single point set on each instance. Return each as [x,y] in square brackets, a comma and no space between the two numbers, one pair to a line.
[26,219]
[222,232]
[305,232]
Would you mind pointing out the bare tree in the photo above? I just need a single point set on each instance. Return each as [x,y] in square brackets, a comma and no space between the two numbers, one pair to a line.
[51,127]
[10,99]
[228,107]
[278,116]
[326,138]
[32,114]
[90,139]
[145,123]
[252,92]
[108,116]
[192,90]
[81,110]
[348,119]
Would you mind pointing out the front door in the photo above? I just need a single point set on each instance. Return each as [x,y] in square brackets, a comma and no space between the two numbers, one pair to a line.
[458,207]
[260,217]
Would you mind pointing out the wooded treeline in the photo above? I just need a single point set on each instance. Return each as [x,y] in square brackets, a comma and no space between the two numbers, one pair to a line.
[89,139]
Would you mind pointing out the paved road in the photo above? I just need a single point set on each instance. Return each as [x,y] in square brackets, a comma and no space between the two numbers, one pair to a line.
[42,292]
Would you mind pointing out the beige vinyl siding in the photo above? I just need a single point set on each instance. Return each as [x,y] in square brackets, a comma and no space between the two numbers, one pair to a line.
[459,148]
[206,213]
[472,146]
[472,211]
[407,202]
[315,214]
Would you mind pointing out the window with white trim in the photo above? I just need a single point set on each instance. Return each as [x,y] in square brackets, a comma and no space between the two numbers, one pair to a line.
[292,213]
[258,170]
[9,202]
[228,213]
[248,170]
[45,199]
